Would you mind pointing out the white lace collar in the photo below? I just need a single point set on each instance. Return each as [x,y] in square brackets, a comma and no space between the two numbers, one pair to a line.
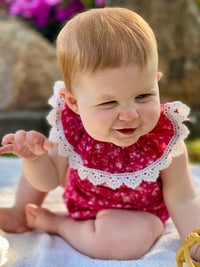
[114,181]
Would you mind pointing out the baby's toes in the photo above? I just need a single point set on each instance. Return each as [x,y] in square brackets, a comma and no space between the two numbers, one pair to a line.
[31,214]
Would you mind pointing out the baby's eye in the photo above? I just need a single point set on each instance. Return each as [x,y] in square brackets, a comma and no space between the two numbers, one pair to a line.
[142,96]
[108,104]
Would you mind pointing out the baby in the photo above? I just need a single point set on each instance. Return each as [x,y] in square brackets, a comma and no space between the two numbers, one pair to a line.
[118,152]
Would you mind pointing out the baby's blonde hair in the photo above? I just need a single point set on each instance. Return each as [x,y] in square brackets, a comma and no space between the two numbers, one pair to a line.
[104,38]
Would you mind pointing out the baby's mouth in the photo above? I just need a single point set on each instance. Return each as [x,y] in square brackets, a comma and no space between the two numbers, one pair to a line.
[127,131]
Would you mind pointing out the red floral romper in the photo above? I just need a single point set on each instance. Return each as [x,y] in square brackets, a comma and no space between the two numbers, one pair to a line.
[103,175]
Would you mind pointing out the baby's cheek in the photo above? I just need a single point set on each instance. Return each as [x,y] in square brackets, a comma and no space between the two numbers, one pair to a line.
[152,117]
[154,112]
[93,126]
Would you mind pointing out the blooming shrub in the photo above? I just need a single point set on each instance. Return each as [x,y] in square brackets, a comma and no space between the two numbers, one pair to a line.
[48,15]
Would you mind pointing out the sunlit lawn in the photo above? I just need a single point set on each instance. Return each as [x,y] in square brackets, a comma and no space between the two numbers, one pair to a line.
[193,147]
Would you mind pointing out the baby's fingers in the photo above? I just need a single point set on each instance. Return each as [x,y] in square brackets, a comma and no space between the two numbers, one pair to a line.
[8,138]
[38,141]
[18,138]
[10,148]
[48,144]
[13,143]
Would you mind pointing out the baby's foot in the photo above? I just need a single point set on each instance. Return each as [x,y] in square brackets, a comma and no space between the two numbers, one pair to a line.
[42,219]
[13,220]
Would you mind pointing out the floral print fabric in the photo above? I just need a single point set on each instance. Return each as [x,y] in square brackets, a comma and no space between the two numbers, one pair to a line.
[103,175]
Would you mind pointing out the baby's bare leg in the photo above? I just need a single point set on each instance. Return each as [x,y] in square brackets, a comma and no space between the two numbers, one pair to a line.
[114,234]
[13,219]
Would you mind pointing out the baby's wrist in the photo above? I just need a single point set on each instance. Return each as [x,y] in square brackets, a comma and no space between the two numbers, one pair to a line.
[34,158]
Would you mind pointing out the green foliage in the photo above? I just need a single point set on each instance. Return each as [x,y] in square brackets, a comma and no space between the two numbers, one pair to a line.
[88,2]
[193,147]
[9,155]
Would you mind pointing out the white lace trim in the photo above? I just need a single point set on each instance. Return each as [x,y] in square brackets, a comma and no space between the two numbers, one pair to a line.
[114,181]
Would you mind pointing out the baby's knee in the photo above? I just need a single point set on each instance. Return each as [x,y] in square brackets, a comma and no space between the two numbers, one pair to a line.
[111,247]
[156,227]
[126,240]
[65,179]
[108,248]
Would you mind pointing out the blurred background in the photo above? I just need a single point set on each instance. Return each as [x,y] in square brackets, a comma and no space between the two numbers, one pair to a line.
[29,68]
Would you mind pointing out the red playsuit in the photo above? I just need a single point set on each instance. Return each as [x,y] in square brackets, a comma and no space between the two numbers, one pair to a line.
[103,175]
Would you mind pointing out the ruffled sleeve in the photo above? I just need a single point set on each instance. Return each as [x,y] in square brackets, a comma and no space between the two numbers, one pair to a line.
[67,129]
[54,118]
[177,113]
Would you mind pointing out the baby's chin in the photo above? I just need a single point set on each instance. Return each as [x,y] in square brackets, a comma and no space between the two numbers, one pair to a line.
[125,142]
[120,142]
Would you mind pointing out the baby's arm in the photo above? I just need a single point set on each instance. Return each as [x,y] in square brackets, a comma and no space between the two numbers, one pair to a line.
[38,157]
[180,196]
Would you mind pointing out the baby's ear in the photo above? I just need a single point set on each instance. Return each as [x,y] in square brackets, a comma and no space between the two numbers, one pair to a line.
[159,76]
[69,99]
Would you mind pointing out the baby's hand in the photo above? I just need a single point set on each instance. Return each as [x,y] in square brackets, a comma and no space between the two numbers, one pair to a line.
[195,252]
[27,145]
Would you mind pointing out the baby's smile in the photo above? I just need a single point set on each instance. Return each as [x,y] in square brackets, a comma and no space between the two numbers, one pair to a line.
[126,131]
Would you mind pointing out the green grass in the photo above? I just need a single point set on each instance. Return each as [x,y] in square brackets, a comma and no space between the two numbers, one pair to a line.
[193,147]
[8,155]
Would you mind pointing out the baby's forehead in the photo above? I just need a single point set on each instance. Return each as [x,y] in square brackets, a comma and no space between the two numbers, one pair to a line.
[108,80]
[151,66]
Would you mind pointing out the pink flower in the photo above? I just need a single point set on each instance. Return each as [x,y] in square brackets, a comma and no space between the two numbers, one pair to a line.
[53,2]
[41,14]
[43,11]
[39,10]
[74,6]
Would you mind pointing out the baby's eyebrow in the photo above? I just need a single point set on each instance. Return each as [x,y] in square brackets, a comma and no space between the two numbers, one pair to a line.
[108,97]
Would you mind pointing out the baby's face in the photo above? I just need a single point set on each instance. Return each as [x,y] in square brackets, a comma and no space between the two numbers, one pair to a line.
[119,105]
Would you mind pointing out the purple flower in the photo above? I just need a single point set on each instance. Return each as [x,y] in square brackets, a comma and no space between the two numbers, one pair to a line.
[19,8]
[62,13]
[65,13]
[39,10]
[53,2]
[41,13]
[8,1]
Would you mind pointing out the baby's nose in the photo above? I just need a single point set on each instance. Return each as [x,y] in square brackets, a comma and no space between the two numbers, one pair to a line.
[128,114]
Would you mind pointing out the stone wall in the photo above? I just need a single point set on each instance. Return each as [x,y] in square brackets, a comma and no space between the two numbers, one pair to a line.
[28,67]
[28,70]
